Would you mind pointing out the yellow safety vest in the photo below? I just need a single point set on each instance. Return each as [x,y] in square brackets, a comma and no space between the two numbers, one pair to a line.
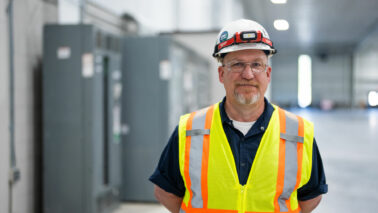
[282,165]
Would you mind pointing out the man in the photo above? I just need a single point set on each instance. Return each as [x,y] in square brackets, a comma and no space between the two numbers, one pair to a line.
[242,154]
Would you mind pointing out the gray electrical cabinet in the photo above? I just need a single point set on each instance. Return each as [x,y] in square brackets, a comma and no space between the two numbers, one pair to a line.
[81,119]
[162,80]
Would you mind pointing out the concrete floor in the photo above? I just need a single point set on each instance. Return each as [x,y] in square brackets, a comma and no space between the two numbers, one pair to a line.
[348,142]
[141,208]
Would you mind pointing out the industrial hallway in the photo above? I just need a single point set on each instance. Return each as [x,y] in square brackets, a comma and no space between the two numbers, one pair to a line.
[348,142]
[92,90]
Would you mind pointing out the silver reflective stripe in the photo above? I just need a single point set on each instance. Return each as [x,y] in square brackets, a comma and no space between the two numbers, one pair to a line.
[291,161]
[182,211]
[195,132]
[292,138]
[195,158]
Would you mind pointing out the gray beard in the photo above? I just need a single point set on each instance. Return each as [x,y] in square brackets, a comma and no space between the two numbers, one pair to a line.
[242,100]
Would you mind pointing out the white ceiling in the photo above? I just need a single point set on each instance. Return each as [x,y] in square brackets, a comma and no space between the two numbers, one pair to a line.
[322,26]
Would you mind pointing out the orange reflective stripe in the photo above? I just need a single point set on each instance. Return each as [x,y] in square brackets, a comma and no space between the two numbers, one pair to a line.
[290,211]
[299,151]
[288,204]
[183,206]
[195,210]
[205,156]
[187,154]
[281,160]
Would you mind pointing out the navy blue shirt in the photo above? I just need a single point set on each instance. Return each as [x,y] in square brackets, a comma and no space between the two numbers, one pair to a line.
[168,177]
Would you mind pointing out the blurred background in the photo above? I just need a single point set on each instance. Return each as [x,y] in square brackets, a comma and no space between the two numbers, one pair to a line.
[90,91]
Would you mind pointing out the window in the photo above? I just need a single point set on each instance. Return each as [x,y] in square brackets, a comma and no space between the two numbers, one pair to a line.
[373,98]
[304,81]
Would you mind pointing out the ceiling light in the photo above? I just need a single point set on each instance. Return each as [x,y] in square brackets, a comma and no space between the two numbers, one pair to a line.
[281,24]
[278,1]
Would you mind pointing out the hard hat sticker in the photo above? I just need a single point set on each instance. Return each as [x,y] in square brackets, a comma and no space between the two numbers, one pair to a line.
[223,37]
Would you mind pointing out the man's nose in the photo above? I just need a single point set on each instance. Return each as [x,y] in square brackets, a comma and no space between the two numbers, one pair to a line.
[248,72]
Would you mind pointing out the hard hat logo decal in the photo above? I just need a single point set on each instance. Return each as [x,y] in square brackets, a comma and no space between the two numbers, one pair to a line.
[223,37]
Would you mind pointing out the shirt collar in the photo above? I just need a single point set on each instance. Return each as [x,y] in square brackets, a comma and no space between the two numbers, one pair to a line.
[261,123]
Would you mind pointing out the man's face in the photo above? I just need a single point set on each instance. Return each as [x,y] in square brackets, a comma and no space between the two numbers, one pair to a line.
[246,87]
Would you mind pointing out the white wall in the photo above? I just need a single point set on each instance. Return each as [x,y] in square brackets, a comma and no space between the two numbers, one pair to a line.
[366,68]
[177,15]
[29,17]
[4,109]
[69,13]
[332,79]
[203,44]
[284,82]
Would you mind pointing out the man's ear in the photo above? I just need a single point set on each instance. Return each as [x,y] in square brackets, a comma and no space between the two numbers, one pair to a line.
[269,72]
[221,73]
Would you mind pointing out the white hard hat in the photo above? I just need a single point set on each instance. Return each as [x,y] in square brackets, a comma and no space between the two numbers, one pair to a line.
[243,34]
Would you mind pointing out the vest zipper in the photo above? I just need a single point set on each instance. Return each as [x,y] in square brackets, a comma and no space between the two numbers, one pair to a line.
[242,199]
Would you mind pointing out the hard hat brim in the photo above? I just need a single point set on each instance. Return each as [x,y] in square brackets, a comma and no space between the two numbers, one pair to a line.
[249,46]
